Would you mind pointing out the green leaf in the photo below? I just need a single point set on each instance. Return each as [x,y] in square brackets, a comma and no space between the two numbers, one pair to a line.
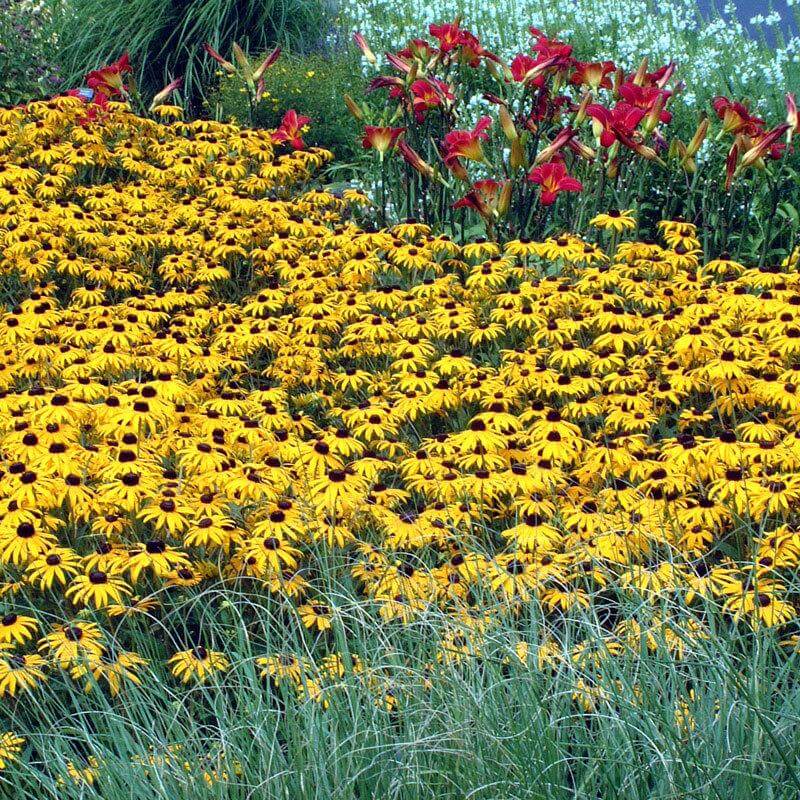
[788,212]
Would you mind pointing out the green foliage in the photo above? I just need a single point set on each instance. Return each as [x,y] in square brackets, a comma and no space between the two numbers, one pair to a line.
[28,39]
[165,37]
[314,84]
[720,723]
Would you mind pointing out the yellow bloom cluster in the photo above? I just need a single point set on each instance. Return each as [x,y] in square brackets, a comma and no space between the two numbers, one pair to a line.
[209,372]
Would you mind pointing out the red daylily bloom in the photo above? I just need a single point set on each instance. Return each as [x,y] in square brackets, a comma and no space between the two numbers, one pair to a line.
[561,140]
[467,144]
[381,138]
[419,49]
[546,107]
[521,66]
[661,76]
[428,94]
[490,198]
[108,80]
[736,118]
[546,48]
[290,130]
[472,51]
[618,123]
[554,179]
[765,145]
[448,35]
[647,98]
[593,74]
[394,84]
[532,71]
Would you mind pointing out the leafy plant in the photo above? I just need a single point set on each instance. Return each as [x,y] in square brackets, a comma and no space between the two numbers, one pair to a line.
[314,84]
[165,37]
[28,36]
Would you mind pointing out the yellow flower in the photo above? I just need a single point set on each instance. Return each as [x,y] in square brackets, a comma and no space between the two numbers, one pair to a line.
[198,664]
[10,748]
[617,221]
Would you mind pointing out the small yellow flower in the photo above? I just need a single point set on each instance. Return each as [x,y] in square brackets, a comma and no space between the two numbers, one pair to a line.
[10,748]
[617,221]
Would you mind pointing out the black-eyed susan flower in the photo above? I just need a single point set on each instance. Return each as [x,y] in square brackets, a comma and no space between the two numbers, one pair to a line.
[72,642]
[10,747]
[20,672]
[617,221]
[198,664]
[17,628]
[113,668]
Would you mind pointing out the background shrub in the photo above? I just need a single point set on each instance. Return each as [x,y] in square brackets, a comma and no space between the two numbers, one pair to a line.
[28,39]
[313,84]
[165,37]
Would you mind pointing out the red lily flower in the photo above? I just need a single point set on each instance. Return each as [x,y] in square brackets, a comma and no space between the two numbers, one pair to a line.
[467,144]
[428,94]
[765,145]
[736,118]
[381,138]
[646,98]
[290,129]
[490,198]
[561,140]
[617,124]
[554,179]
[108,79]
[448,35]
[661,76]
[547,48]
[395,85]
[521,66]
[419,49]
[472,51]
[593,74]
[546,107]
[532,71]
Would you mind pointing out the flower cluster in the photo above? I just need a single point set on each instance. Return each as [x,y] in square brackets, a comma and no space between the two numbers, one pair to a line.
[715,51]
[562,122]
[211,374]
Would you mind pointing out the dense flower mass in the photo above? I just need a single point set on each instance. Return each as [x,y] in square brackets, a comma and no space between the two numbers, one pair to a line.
[591,129]
[705,45]
[211,373]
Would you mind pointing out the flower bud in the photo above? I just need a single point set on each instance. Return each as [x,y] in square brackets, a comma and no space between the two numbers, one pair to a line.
[518,159]
[353,108]
[697,139]
[365,48]
[507,124]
